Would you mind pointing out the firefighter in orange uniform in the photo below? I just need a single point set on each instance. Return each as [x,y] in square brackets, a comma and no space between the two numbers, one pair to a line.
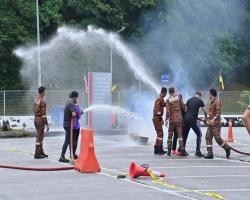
[214,126]
[40,122]
[246,119]
[158,121]
[174,116]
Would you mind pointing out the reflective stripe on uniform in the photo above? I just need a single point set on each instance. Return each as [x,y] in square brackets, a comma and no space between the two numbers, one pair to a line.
[209,145]
[158,138]
[224,143]
[38,143]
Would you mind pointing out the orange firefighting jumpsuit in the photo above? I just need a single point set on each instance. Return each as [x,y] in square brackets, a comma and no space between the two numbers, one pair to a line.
[174,113]
[215,129]
[158,120]
[40,121]
[246,119]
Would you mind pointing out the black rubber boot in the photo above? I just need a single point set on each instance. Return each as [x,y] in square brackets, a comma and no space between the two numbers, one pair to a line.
[228,152]
[45,155]
[184,153]
[208,156]
[63,159]
[161,151]
[169,151]
[39,156]
[156,149]
[199,154]
[75,156]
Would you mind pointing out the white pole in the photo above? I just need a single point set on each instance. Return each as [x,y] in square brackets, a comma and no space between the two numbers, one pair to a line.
[111,63]
[38,46]
[4,104]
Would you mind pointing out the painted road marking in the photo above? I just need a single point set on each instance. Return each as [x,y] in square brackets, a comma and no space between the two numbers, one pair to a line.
[151,187]
[188,166]
[209,176]
[201,166]
[225,190]
[127,180]
[167,185]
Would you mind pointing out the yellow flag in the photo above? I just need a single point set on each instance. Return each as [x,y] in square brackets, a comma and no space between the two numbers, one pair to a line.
[221,82]
[114,87]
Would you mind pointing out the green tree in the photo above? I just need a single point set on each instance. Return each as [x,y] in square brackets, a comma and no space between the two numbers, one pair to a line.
[15,29]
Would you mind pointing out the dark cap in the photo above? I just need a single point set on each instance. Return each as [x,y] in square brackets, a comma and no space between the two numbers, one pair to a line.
[171,90]
[73,94]
[41,89]
[164,90]
[213,92]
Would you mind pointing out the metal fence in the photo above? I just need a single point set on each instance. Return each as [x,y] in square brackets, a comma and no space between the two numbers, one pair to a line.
[20,102]
[234,102]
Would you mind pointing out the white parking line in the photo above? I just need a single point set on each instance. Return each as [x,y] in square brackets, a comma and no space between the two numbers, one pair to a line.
[112,155]
[209,176]
[151,187]
[135,160]
[187,166]
[127,180]
[202,166]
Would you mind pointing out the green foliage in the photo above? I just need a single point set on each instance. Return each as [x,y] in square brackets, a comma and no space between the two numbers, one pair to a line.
[244,99]
[226,51]
[18,24]
[108,14]
[50,16]
[231,53]
[15,29]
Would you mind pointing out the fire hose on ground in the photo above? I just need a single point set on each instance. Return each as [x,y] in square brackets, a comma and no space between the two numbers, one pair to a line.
[48,168]
[235,150]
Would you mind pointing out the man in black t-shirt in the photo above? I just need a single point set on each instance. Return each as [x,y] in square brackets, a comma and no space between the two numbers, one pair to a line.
[69,114]
[193,106]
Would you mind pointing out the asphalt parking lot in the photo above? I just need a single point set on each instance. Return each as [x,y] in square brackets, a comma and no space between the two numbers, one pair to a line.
[187,178]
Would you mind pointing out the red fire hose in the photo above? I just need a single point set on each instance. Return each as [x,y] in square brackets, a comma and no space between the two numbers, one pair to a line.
[238,151]
[52,168]
[71,140]
[235,150]
[36,169]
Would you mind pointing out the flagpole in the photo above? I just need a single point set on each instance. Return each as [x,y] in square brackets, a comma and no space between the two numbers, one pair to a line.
[39,71]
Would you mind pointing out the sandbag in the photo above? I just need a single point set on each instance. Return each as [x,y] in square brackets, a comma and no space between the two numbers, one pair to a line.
[246,119]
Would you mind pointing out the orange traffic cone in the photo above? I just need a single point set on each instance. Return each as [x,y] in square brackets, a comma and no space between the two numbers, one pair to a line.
[136,171]
[230,132]
[87,161]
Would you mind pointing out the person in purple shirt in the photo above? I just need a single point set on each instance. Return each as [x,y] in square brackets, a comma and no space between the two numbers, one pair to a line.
[76,128]
[71,110]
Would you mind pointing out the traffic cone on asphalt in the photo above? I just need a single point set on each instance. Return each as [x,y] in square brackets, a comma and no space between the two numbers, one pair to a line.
[137,171]
[87,161]
[230,132]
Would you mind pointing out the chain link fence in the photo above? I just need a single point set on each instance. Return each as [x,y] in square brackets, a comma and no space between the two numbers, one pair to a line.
[234,102]
[20,102]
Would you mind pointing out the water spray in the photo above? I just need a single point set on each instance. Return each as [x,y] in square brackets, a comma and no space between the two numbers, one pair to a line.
[68,47]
